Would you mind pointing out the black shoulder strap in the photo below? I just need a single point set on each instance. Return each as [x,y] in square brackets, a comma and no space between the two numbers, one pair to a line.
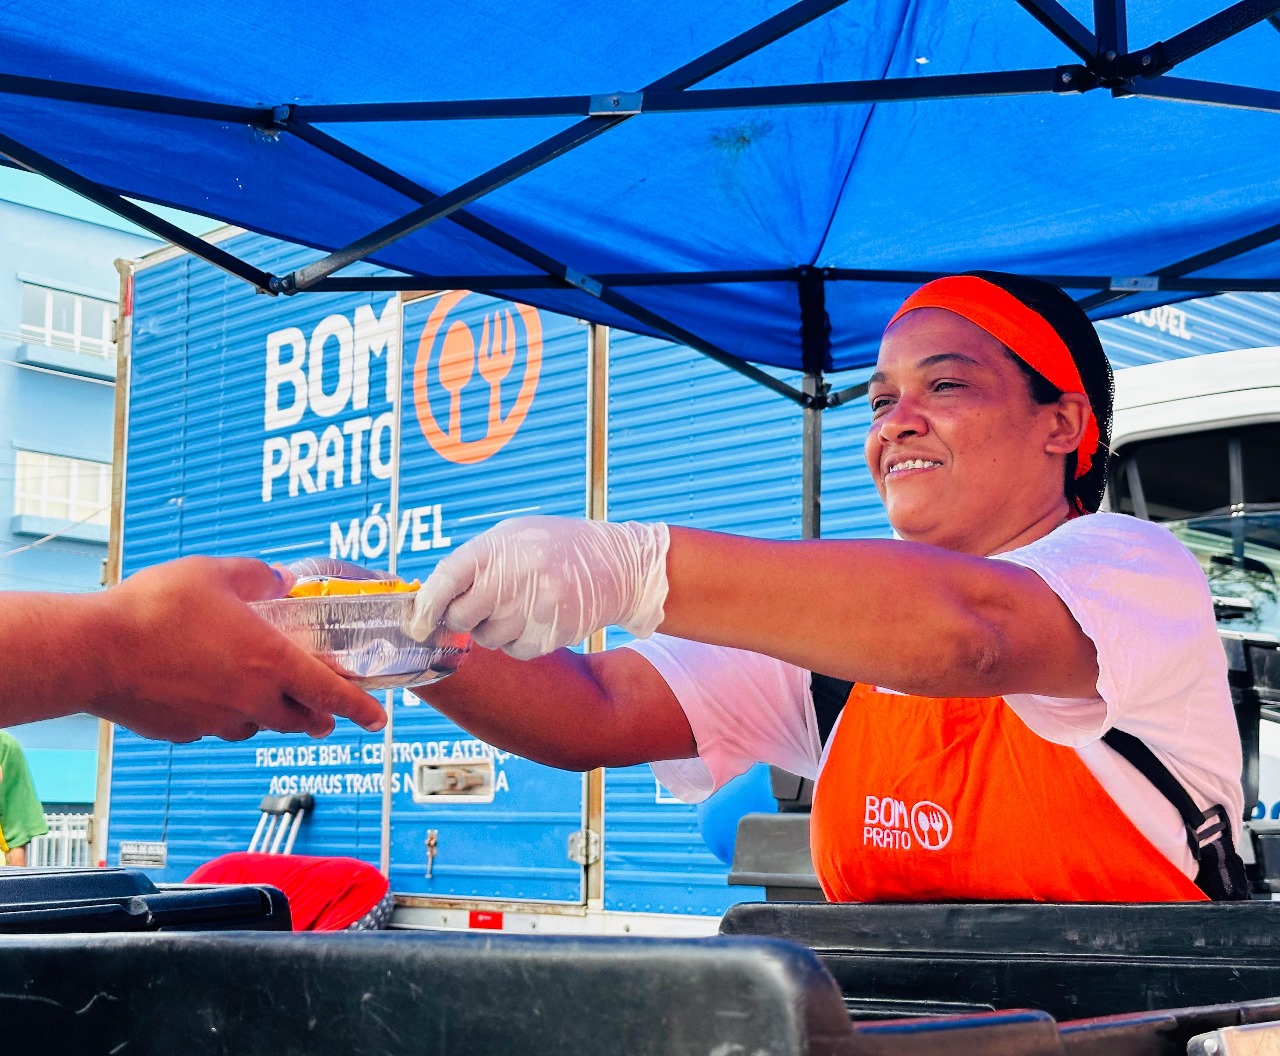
[829,696]
[1221,875]
[1145,762]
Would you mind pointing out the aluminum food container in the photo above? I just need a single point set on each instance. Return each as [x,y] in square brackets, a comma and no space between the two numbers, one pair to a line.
[364,635]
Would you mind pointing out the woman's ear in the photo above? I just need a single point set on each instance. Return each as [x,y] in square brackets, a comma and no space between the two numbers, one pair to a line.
[1070,414]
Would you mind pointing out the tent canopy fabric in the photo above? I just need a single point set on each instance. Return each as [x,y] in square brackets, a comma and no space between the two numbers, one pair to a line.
[762,181]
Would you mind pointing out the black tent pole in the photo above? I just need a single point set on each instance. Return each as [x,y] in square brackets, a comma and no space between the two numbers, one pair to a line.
[1110,30]
[815,354]
[1059,79]
[552,268]
[1205,93]
[1166,54]
[32,161]
[614,111]
[1063,25]
[1201,260]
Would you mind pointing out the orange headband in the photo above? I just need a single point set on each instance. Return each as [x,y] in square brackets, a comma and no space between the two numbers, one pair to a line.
[1022,330]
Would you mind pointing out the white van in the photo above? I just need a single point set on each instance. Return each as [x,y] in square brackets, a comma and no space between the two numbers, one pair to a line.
[1196,445]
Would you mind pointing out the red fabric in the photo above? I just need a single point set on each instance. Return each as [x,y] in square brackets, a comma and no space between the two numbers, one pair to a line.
[325,894]
[1025,332]
[943,798]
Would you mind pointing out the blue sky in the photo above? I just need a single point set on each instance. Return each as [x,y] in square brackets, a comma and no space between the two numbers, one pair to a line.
[27,188]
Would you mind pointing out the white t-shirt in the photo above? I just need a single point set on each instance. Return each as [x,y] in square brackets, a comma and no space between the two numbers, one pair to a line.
[1136,592]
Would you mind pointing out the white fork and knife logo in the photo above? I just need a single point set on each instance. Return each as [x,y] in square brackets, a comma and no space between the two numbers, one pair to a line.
[458,357]
[931,824]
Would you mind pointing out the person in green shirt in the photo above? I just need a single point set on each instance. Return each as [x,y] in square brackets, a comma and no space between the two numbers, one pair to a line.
[21,815]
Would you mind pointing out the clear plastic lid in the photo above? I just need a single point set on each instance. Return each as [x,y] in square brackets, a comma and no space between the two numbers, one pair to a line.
[310,569]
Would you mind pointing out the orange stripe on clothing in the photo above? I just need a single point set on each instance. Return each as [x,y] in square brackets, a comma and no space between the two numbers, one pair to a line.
[1025,332]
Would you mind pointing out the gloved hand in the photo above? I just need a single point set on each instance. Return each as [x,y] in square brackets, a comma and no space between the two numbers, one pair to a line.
[531,585]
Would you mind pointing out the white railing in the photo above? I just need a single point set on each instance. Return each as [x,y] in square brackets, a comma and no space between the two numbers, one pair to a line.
[67,843]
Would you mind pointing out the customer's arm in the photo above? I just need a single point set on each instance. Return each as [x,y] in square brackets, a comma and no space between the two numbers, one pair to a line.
[173,653]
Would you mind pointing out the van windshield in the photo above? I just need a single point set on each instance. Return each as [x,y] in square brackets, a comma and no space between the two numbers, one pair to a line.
[1217,490]
[1240,554]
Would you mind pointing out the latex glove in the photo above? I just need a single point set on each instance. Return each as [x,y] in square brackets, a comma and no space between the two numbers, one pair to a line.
[531,585]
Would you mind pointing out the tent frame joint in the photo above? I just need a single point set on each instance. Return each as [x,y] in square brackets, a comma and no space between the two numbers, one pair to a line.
[1149,62]
[1075,80]
[583,282]
[1135,283]
[816,393]
[843,396]
[616,104]
[278,118]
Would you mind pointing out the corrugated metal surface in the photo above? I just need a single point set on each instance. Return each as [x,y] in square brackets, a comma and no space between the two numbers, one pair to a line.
[693,444]
[851,507]
[655,860]
[1192,328]
[516,846]
[195,484]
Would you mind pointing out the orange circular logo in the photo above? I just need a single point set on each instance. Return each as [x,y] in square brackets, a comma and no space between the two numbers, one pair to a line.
[451,354]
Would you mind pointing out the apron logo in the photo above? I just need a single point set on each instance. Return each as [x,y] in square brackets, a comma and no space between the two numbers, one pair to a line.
[889,823]
[499,366]
[932,825]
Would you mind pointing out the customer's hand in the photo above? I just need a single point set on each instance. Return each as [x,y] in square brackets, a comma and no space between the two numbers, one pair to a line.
[183,657]
[534,584]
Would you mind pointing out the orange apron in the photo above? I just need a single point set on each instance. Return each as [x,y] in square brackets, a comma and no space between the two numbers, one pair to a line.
[954,798]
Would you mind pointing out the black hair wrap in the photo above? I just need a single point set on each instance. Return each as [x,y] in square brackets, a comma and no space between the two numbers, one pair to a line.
[1066,317]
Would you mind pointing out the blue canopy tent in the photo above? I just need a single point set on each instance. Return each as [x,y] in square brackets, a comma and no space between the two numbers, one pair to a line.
[759,181]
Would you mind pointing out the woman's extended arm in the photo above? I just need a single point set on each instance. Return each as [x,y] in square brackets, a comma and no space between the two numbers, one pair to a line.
[568,710]
[914,618]
[910,617]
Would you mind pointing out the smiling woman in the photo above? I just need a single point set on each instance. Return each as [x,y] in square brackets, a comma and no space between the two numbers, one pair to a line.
[962,351]
[950,434]
[1011,656]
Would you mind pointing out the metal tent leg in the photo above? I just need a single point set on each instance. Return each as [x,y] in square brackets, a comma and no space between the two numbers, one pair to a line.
[811,501]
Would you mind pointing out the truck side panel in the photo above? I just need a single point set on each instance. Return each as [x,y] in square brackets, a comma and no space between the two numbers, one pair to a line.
[701,446]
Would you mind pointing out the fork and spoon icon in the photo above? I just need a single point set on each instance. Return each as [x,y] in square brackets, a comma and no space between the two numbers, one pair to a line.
[458,356]
[933,826]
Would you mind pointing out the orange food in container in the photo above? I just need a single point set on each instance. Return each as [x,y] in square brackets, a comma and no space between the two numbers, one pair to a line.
[331,587]
[355,619]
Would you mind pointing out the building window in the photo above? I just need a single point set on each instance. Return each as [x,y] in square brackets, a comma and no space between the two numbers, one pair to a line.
[60,319]
[66,489]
